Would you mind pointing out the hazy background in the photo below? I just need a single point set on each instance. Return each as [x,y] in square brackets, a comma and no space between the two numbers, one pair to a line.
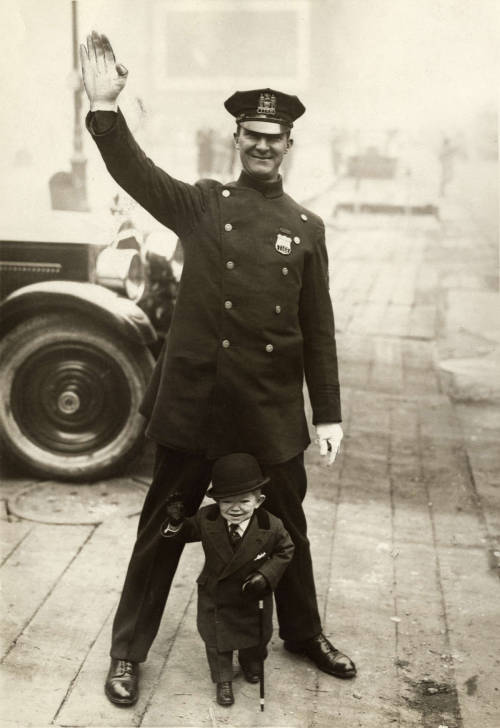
[398,75]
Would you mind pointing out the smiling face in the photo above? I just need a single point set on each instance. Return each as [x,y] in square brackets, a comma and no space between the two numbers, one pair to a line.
[237,508]
[261,154]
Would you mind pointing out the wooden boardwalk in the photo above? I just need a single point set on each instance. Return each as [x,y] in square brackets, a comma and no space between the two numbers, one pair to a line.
[402,531]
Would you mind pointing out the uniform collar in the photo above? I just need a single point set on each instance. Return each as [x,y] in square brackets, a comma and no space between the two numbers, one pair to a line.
[268,189]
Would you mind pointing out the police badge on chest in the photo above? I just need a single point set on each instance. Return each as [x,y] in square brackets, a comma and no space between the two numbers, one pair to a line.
[283,242]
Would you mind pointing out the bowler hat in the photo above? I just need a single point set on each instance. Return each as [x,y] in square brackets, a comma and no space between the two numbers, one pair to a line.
[235,474]
[265,110]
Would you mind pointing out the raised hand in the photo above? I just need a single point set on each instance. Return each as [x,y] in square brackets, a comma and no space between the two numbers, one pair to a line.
[103,78]
[176,512]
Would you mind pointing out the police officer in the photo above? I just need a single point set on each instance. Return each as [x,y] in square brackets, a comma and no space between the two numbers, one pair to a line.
[253,315]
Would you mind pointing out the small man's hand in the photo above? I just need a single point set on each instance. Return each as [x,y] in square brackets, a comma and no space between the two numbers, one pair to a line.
[329,437]
[255,585]
[103,78]
[176,513]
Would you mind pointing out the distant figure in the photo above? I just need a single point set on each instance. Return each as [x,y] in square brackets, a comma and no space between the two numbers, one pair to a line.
[336,153]
[220,155]
[447,155]
[231,156]
[205,143]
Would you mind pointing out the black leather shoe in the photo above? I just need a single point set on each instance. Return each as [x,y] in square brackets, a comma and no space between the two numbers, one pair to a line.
[324,655]
[225,693]
[251,671]
[122,682]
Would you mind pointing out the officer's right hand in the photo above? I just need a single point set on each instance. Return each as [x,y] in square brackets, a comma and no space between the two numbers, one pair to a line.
[103,78]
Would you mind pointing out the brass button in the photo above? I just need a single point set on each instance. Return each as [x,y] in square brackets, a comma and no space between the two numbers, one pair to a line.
[228,227]
[296,240]
[226,343]
[230,265]
[277,309]
[225,193]
[284,271]
[303,216]
[228,304]
[269,348]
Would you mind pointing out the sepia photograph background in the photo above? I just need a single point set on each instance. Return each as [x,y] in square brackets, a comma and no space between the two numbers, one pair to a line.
[398,152]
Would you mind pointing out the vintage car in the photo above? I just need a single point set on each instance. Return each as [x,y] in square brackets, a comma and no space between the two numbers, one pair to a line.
[387,172]
[83,315]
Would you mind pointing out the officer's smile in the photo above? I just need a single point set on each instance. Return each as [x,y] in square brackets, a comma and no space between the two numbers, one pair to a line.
[262,154]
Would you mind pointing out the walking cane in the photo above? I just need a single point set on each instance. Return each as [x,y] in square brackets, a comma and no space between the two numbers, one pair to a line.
[261,632]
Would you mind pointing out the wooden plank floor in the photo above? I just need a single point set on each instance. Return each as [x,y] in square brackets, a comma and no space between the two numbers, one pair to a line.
[402,530]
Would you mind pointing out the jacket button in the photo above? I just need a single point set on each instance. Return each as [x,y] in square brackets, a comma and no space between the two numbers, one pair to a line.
[296,240]
[269,348]
[303,216]
[284,271]
[226,343]
[225,193]
[277,309]
[228,227]
[228,304]
[230,265]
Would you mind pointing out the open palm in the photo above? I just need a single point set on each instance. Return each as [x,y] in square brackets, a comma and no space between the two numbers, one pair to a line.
[103,78]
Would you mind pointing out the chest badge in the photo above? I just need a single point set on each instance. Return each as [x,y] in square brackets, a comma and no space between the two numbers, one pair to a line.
[283,242]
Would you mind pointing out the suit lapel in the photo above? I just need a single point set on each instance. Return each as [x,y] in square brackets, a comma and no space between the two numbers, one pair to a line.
[248,549]
[217,533]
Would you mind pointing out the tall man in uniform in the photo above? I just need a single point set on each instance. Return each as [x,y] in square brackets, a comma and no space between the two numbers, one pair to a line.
[253,315]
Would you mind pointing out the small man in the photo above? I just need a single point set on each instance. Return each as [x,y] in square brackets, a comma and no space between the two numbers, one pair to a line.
[247,550]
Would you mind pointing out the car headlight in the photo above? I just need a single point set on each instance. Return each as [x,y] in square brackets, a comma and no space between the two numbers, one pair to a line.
[161,241]
[122,270]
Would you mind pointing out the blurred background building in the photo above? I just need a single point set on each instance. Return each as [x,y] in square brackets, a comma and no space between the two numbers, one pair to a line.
[414,80]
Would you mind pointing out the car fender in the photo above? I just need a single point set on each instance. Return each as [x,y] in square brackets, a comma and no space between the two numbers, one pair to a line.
[114,311]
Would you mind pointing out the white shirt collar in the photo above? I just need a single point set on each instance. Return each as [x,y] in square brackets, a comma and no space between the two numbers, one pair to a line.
[242,527]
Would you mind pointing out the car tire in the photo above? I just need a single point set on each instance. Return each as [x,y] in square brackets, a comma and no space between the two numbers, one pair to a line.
[71,390]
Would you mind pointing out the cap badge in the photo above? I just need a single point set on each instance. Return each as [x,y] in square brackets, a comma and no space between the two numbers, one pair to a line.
[267,104]
[283,243]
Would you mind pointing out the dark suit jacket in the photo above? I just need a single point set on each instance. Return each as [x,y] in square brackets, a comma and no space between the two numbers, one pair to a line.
[253,313]
[227,618]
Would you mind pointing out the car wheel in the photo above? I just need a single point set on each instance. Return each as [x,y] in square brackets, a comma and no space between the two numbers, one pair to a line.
[70,396]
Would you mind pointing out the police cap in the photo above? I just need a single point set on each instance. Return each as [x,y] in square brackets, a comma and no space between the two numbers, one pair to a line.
[264,110]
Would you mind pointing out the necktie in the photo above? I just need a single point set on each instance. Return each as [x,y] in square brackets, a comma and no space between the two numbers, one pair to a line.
[234,536]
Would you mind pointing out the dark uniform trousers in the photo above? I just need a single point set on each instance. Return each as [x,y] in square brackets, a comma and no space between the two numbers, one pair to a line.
[154,559]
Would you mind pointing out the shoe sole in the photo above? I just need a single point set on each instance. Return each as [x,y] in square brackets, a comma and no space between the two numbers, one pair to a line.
[342,676]
[122,702]
[250,677]
[251,680]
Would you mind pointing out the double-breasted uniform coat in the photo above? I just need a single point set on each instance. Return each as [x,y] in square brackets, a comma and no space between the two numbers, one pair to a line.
[228,619]
[253,316]
[253,312]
